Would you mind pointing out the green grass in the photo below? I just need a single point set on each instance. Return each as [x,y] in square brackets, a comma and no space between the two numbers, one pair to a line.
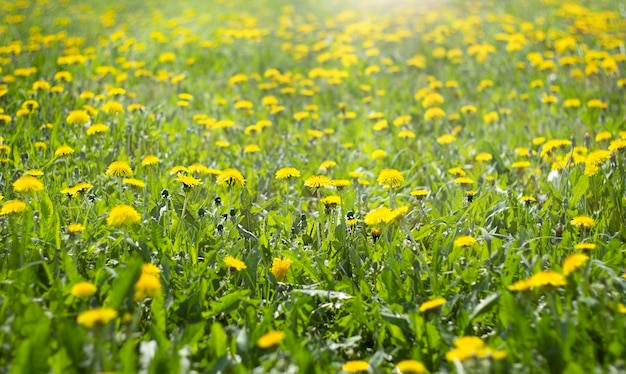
[355,285]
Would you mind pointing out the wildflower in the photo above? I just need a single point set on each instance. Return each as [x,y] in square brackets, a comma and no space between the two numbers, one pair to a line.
[574,262]
[617,145]
[432,304]
[134,182]
[27,184]
[123,215]
[446,139]
[73,228]
[355,366]
[280,267]
[390,178]
[467,347]
[83,289]
[231,178]
[234,263]
[585,246]
[270,339]
[97,316]
[317,181]
[384,215]
[113,107]
[188,181]
[378,154]
[149,160]
[464,241]
[63,150]
[119,169]
[12,207]
[434,113]
[541,279]
[484,157]
[150,268]
[583,221]
[327,164]
[528,199]
[251,148]
[97,129]
[148,285]
[78,117]
[410,367]
[331,201]
[464,181]
[419,194]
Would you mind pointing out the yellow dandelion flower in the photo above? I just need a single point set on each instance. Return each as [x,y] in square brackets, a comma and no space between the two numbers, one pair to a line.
[317,181]
[585,246]
[583,221]
[134,182]
[12,207]
[355,366]
[464,241]
[331,201]
[432,304]
[97,316]
[188,181]
[78,117]
[149,160]
[231,178]
[574,262]
[270,339]
[234,263]
[148,285]
[73,228]
[97,128]
[390,178]
[446,139]
[280,267]
[287,173]
[83,289]
[113,107]
[27,184]
[410,367]
[123,215]
[327,165]
[119,169]
[63,150]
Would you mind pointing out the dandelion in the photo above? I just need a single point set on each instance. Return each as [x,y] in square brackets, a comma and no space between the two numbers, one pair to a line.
[446,139]
[410,367]
[419,194]
[83,289]
[188,181]
[464,181]
[134,182]
[331,201]
[390,178]
[119,169]
[97,128]
[97,316]
[583,221]
[270,339]
[355,366]
[63,150]
[73,228]
[280,267]
[148,285]
[432,304]
[78,117]
[585,246]
[464,241]
[149,160]
[327,165]
[113,107]
[12,207]
[317,181]
[234,263]
[574,262]
[123,215]
[27,184]
[231,178]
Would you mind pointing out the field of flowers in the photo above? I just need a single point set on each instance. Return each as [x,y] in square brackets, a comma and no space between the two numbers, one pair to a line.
[312,186]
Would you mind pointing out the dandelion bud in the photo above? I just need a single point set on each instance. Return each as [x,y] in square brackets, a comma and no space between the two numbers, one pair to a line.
[220,227]
[24,157]
[232,212]
[376,232]
[558,230]
[217,201]
[202,212]
[165,194]
[573,140]
[587,140]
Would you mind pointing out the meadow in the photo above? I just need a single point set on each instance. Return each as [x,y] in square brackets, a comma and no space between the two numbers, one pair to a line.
[276,186]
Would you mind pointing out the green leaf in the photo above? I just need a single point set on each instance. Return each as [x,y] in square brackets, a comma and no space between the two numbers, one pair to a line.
[123,285]
[484,305]
[579,189]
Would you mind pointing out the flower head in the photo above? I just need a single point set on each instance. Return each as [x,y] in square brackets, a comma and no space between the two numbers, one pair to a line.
[63,150]
[432,304]
[410,367]
[583,221]
[27,184]
[464,241]
[148,285]
[97,316]
[234,263]
[287,173]
[83,289]
[355,366]
[77,117]
[390,178]
[119,169]
[280,267]
[12,207]
[574,262]
[231,178]
[317,181]
[123,215]
[270,339]
[149,160]
[113,107]
[188,181]
[331,201]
